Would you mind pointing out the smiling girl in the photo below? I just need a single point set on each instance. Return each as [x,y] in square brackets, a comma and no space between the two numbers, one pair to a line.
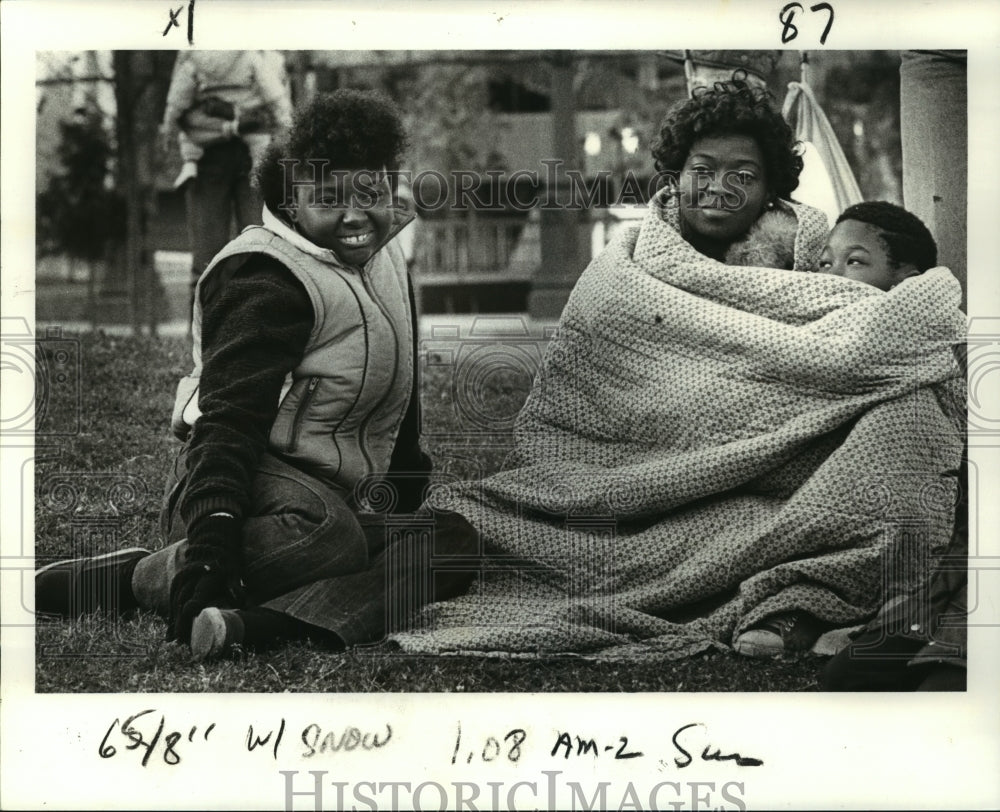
[303,392]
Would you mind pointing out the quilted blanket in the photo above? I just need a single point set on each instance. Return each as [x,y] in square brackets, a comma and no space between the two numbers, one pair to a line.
[707,444]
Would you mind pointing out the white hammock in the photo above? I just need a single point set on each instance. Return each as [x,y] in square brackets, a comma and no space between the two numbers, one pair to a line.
[826,182]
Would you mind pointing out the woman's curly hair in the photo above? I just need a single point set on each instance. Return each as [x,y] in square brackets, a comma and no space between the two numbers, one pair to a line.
[346,129]
[730,108]
[906,238]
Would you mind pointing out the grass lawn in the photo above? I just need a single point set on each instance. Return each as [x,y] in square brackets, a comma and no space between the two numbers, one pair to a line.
[99,475]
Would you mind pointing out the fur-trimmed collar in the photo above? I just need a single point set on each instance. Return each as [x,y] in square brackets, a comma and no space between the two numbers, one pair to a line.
[770,242]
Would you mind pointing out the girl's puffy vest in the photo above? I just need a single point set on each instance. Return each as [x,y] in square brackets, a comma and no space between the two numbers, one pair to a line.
[342,405]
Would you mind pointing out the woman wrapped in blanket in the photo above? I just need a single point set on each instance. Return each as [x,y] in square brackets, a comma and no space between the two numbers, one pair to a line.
[722,449]
[728,158]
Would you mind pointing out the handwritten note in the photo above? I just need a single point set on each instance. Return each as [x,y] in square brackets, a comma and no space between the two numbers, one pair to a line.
[149,733]
[175,23]
[138,730]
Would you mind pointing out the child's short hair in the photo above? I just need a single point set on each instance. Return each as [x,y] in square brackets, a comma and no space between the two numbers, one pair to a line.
[906,237]
[346,129]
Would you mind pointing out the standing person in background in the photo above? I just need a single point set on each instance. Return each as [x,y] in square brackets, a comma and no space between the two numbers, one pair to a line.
[223,107]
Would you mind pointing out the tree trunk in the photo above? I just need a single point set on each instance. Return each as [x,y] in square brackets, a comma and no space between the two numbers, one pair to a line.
[141,82]
[561,263]
[128,179]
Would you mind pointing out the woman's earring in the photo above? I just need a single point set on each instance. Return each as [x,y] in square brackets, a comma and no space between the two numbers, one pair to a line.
[770,205]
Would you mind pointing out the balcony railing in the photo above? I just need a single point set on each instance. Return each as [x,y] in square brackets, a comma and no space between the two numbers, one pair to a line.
[494,249]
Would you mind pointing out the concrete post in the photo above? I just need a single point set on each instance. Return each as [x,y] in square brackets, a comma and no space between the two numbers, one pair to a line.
[935,142]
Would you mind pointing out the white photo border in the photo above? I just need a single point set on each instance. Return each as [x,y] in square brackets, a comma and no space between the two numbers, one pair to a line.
[820,750]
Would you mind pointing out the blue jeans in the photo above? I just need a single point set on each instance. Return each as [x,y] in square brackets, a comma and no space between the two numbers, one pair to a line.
[309,553]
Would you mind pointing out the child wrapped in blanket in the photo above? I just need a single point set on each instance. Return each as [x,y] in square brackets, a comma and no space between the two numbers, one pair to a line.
[881,244]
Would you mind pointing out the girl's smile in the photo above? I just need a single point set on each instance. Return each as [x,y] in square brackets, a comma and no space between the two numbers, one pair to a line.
[347,212]
[357,240]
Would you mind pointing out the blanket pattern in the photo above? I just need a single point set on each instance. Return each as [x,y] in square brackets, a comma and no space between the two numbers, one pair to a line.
[705,445]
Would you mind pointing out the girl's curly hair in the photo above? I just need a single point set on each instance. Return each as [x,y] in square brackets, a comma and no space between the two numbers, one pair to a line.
[730,108]
[346,129]
[906,237]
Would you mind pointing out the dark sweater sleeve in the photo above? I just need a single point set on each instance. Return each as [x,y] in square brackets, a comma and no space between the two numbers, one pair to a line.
[255,329]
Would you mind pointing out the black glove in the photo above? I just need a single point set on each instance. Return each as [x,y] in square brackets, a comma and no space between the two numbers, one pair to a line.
[410,482]
[210,575]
